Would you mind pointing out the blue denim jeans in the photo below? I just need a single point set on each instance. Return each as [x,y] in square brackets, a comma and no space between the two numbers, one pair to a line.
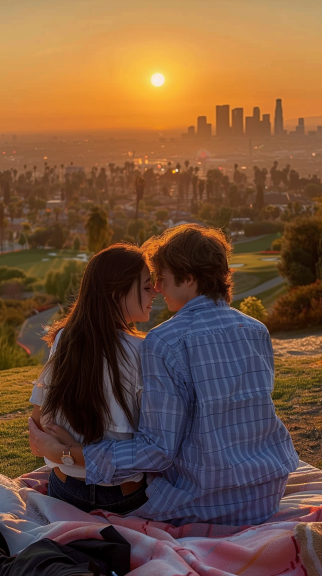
[88,497]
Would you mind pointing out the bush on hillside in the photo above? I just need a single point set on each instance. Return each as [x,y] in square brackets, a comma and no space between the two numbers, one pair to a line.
[301,307]
[277,245]
[253,307]
[300,251]
[11,354]
[260,228]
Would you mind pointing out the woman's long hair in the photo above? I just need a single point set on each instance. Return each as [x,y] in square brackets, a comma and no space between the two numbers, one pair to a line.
[90,337]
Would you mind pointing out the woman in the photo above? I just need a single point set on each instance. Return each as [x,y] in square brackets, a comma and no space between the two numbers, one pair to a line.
[91,384]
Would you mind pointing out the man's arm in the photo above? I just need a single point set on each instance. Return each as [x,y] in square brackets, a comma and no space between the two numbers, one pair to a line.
[164,412]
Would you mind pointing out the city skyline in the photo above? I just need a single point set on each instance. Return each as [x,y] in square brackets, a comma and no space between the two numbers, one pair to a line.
[231,123]
[88,65]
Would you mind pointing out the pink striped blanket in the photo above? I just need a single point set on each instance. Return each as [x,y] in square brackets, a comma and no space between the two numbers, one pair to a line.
[290,543]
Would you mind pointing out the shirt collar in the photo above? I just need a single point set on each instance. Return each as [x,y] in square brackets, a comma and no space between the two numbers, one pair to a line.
[201,302]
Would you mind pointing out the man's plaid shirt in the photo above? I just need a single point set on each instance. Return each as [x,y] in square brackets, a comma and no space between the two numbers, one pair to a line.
[208,427]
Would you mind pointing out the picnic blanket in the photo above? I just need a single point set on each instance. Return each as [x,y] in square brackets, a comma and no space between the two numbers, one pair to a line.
[290,543]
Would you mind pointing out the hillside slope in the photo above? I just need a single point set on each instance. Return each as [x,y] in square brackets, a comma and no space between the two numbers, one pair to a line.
[297,397]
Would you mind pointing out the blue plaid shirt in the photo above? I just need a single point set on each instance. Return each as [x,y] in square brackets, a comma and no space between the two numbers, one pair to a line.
[208,427]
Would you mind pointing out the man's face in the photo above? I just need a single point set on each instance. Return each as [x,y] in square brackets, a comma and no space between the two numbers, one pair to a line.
[175,296]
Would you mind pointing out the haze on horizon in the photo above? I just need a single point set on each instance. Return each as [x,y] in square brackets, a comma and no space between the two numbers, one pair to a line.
[87,64]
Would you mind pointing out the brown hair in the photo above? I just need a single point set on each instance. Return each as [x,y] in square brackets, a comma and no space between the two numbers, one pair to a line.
[191,249]
[91,337]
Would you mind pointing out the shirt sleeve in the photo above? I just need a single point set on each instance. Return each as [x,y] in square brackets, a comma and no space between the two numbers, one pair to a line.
[164,408]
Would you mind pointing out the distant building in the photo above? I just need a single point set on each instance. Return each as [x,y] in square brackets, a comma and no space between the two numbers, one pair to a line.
[237,121]
[74,169]
[203,127]
[266,125]
[319,130]
[300,128]
[222,121]
[191,132]
[278,121]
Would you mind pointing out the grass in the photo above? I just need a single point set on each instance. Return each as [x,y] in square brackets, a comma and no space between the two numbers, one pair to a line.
[255,245]
[255,270]
[31,261]
[267,297]
[297,398]
[15,455]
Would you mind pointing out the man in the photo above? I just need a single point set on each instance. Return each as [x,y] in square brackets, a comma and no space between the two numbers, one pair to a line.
[208,427]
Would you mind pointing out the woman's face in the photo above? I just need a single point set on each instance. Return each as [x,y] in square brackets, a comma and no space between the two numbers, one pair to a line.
[132,309]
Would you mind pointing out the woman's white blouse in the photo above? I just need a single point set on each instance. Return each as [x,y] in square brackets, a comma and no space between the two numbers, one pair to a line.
[120,428]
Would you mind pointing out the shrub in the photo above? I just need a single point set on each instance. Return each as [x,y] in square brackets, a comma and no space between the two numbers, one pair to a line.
[301,307]
[277,245]
[300,251]
[12,355]
[253,307]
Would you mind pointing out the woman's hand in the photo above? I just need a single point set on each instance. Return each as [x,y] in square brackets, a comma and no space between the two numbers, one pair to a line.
[45,444]
[50,447]
[57,432]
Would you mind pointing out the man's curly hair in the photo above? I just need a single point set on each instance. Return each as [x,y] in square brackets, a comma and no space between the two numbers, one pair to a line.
[191,249]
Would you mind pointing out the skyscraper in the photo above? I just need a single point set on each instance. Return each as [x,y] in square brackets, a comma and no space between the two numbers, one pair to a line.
[222,121]
[300,128]
[266,125]
[278,122]
[203,128]
[237,121]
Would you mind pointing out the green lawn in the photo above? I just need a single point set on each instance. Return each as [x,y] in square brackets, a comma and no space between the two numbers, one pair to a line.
[263,243]
[31,261]
[297,398]
[255,270]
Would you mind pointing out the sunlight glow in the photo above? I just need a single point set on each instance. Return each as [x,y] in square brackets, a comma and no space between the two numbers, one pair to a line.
[158,80]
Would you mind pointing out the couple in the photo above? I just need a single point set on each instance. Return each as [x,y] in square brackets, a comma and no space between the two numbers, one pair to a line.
[196,437]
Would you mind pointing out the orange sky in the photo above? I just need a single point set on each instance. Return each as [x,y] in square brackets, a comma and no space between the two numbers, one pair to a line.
[78,64]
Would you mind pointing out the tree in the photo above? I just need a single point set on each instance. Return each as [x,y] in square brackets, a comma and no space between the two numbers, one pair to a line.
[63,283]
[76,243]
[99,234]
[300,251]
[22,240]
[58,235]
[313,190]
[253,307]
[162,214]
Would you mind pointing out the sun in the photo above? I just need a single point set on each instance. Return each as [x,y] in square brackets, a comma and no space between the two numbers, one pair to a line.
[157,79]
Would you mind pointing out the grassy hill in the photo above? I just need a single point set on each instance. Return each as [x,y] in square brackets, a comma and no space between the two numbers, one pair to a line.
[297,397]
[37,261]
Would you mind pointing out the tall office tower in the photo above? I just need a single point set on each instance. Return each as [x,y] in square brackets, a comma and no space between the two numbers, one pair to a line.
[256,122]
[208,130]
[249,126]
[278,122]
[237,121]
[202,127]
[266,125]
[222,121]
[300,128]
[191,131]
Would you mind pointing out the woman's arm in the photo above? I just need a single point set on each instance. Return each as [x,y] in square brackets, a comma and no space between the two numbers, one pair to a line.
[35,415]
[49,445]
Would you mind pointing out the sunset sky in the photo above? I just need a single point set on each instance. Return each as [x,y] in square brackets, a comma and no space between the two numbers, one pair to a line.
[78,64]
